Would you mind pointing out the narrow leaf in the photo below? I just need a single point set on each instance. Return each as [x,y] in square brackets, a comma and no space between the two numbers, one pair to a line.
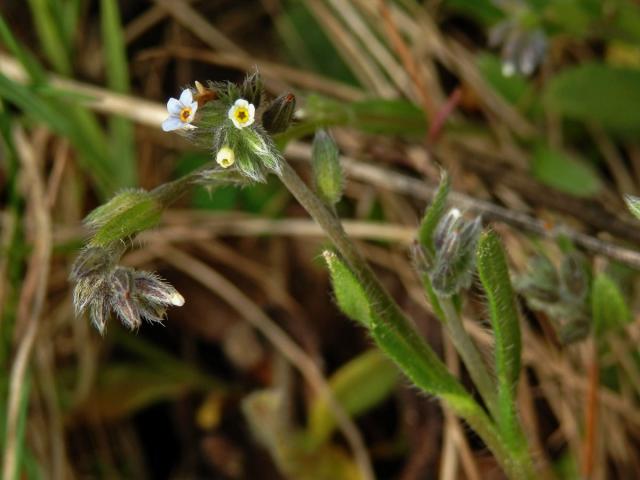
[349,293]
[503,314]
[434,213]
[608,306]
[122,146]
[358,386]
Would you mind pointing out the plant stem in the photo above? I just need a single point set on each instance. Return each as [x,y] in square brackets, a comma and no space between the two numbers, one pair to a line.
[470,356]
[401,332]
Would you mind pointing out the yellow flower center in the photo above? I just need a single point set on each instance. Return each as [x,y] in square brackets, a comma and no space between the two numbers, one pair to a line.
[185,113]
[241,114]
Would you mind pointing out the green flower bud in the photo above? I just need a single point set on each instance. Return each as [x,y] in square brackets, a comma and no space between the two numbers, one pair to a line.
[251,89]
[328,175]
[279,114]
[455,241]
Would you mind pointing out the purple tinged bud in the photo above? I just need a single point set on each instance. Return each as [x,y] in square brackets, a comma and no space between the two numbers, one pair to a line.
[152,288]
[279,114]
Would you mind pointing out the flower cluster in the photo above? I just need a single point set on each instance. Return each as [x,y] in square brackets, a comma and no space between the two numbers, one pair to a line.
[102,287]
[451,267]
[229,121]
[561,293]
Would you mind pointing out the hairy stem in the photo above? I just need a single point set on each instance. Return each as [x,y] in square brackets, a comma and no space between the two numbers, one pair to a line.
[470,355]
[401,331]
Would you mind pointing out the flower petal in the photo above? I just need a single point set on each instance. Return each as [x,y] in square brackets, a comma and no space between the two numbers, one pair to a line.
[186,97]
[241,102]
[194,107]
[174,106]
[171,123]
[252,112]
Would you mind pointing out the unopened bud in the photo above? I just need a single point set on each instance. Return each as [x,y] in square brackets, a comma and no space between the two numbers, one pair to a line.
[455,241]
[225,157]
[278,115]
[122,298]
[446,225]
[574,277]
[152,288]
[251,89]
[327,170]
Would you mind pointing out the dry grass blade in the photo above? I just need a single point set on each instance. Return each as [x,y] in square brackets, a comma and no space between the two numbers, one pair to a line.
[32,296]
[267,69]
[294,354]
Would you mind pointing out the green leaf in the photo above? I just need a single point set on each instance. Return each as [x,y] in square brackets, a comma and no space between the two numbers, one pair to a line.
[608,306]
[434,213]
[633,204]
[565,173]
[406,348]
[52,39]
[328,176]
[124,216]
[30,64]
[349,293]
[594,92]
[377,116]
[503,314]
[358,386]
[484,11]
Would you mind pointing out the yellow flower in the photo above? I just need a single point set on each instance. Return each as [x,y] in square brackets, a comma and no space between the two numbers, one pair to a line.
[242,113]
[225,157]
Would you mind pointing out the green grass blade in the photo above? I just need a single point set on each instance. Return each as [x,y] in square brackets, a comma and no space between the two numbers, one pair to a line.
[31,66]
[51,38]
[122,151]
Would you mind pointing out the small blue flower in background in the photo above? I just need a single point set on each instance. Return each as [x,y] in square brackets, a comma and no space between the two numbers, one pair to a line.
[523,43]
[181,112]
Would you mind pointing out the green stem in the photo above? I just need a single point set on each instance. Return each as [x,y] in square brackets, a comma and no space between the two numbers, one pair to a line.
[397,334]
[470,355]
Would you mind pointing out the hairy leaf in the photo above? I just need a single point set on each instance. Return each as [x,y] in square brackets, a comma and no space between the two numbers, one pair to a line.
[434,213]
[503,314]
[350,295]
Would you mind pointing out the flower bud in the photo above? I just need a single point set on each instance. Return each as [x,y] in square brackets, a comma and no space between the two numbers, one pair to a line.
[251,89]
[155,290]
[455,241]
[278,115]
[122,298]
[225,157]
[327,171]
[574,277]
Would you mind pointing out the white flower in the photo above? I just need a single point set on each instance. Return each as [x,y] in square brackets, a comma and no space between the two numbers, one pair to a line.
[242,113]
[181,112]
[225,157]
